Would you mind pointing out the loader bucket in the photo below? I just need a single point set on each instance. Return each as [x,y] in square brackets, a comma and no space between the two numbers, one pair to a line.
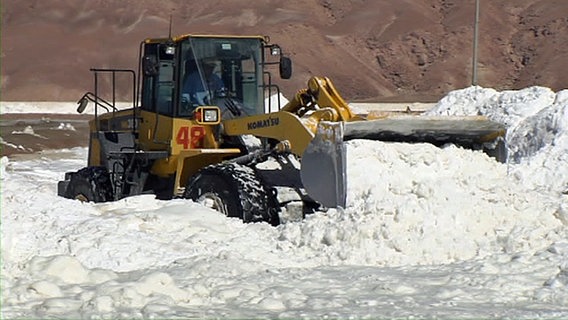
[323,169]
[324,166]
[468,132]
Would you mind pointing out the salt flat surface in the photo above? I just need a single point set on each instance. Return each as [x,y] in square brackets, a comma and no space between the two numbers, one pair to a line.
[427,232]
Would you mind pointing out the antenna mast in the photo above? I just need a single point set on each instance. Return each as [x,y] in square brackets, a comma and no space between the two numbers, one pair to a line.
[170,29]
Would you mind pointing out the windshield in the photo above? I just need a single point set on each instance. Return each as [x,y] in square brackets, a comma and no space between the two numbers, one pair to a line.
[222,71]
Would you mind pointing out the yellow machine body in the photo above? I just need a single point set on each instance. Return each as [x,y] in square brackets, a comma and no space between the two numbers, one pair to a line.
[196,103]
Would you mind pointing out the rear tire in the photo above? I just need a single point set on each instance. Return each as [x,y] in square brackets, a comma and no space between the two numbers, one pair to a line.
[90,184]
[234,190]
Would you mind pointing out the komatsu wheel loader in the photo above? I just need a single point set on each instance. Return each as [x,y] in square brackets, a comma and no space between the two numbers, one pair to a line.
[201,127]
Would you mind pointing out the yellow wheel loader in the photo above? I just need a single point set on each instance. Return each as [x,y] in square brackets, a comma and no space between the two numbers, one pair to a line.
[201,126]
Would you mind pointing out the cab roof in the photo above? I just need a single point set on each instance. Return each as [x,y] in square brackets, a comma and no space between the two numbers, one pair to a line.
[183,37]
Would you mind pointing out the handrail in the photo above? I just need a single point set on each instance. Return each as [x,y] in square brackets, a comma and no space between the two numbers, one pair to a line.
[271,86]
[94,97]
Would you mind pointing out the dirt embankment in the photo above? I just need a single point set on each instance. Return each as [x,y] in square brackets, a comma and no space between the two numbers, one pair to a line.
[378,50]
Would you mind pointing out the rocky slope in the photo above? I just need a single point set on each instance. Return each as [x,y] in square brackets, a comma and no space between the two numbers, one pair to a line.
[371,49]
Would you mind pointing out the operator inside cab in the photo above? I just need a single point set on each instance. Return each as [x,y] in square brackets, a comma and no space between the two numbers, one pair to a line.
[201,85]
[226,73]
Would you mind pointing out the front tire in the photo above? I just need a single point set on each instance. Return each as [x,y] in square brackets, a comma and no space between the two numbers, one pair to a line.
[234,190]
[90,184]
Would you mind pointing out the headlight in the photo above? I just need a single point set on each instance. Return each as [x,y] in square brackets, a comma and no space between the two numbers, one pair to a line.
[208,115]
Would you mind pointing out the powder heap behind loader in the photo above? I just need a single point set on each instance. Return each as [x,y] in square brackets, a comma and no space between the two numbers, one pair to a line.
[219,141]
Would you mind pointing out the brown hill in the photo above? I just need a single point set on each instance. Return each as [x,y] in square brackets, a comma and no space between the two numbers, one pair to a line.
[372,50]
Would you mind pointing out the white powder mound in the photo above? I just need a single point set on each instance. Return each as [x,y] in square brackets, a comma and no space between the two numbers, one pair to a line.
[537,129]
[506,107]
[418,204]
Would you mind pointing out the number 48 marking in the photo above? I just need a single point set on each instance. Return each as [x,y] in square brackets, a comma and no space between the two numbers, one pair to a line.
[190,138]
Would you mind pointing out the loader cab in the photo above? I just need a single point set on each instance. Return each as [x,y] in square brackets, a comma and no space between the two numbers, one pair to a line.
[181,74]
[158,84]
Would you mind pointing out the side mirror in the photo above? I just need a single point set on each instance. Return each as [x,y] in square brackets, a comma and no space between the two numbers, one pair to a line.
[150,66]
[82,104]
[285,67]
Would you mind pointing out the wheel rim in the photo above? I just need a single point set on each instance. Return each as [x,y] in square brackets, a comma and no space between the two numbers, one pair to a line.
[213,201]
[81,197]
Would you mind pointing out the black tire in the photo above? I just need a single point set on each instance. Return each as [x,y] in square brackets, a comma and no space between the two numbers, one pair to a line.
[90,184]
[234,190]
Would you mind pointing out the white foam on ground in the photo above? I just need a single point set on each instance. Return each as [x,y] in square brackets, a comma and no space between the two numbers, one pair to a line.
[427,232]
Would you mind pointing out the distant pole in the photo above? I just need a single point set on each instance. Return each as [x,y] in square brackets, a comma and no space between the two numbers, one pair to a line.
[475,43]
